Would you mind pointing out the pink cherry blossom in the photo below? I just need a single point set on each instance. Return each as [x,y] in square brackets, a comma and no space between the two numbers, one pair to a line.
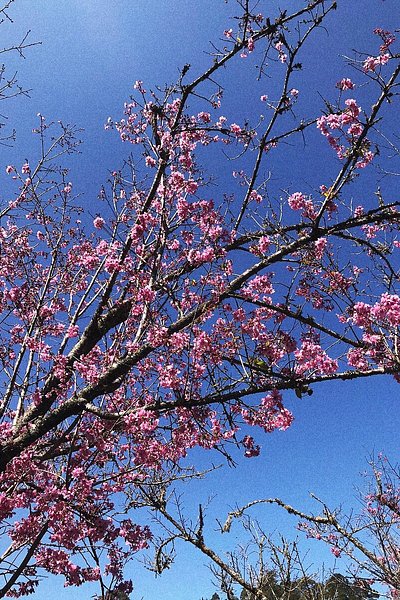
[98,222]
[345,84]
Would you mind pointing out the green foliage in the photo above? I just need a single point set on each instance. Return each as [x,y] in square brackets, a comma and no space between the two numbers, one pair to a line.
[336,587]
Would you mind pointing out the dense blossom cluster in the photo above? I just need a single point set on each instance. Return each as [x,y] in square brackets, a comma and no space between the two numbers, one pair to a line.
[372,63]
[349,128]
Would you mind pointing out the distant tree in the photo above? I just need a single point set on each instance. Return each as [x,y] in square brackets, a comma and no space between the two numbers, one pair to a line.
[340,587]
[336,587]
[270,587]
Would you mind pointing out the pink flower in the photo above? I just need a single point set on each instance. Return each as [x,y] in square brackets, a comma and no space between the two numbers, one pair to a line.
[98,222]
[352,109]
[9,169]
[345,84]
[150,161]
[355,129]
[25,168]
[282,56]
[191,186]
[356,358]
[259,286]
[388,309]
[204,116]
[256,196]
[367,157]
[251,449]
[319,247]
[263,244]
[362,314]
[264,98]
[236,128]
[73,331]
[358,211]
[311,357]
[372,62]
[138,86]
[296,201]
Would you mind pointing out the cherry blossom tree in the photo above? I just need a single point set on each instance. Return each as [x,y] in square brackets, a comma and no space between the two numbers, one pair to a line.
[179,316]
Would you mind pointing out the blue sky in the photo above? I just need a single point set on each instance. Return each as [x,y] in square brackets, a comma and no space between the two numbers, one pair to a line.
[92,52]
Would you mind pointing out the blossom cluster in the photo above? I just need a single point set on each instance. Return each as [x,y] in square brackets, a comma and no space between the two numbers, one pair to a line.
[350,128]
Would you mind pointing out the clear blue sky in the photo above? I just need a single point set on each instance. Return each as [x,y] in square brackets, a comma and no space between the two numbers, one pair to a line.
[92,52]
